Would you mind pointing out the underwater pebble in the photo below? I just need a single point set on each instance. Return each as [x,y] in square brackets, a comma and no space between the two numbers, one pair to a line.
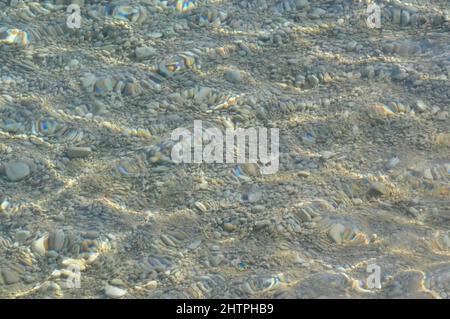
[421,106]
[363,142]
[22,235]
[114,292]
[143,53]
[10,276]
[78,152]
[15,38]
[393,162]
[17,170]
[39,246]
[92,234]
[377,189]
[105,84]
[229,227]
[301,3]
[233,76]
[405,18]
[336,233]
[56,240]
[304,216]
[195,244]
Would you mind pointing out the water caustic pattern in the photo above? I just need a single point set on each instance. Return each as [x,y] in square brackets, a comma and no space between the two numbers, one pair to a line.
[92,204]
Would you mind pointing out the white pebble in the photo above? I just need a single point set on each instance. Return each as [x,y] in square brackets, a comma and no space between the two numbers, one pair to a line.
[114,292]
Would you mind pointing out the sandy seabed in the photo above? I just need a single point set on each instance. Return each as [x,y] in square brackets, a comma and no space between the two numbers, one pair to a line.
[92,205]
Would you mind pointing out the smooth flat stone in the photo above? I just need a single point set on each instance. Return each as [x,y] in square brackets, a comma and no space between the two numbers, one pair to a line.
[17,170]
[10,276]
[336,232]
[143,53]
[114,292]
[78,152]
[378,189]
[233,76]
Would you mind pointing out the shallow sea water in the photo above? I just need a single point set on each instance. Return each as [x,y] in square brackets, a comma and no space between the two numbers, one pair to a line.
[94,205]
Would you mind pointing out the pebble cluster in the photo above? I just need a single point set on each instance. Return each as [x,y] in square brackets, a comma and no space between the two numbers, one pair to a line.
[90,196]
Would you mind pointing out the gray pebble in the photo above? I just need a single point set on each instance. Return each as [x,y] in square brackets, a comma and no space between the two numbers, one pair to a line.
[195,244]
[229,227]
[313,80]
[421,106]
[92,234]
[78,152]
[21,235]
[143,53]
[377,189]
[335,233]
[405,18]
[51,254]
[301,3]
[304,216]
[10,276]
[17,170]
[396,16]
[392,162]
[114,292]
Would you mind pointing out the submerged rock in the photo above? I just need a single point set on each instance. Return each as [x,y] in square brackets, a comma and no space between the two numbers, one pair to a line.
[17,170]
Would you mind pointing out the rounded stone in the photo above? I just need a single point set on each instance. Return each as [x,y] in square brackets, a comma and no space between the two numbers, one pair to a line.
[78,152]
[56,240]
[114,292]
[17,170]
[88,82]
[52,254]
[233,76]
[396,16]
[92,234]
[405,18]
[446,241]
[336,232]
[421,106]
[301,3]
[392,162]
[143,53]
[105,84]
[10,276]
[313,80]
[131,89]
[39,246]
[377,189]
[229,227]
[21,235]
